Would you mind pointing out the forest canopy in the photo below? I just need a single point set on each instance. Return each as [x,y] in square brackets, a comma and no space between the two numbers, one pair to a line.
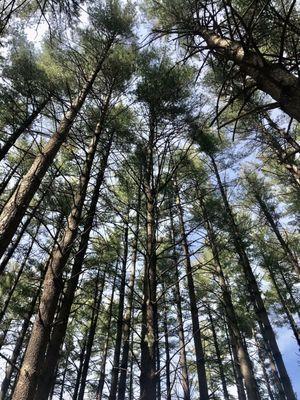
[149,199]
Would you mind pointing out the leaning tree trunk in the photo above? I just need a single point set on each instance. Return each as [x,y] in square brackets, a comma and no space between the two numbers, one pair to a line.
[218,354]
[290,256]
[200,359]
[254,292]
[232,319]
[289,315]
[91,333]
[271,78]
[53,285]
[19,343]
[16,207]
[22,128]
[59,331]
[167,348]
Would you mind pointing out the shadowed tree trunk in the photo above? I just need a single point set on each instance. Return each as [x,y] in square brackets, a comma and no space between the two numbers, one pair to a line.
[16,206]
[53,285]
[59,330]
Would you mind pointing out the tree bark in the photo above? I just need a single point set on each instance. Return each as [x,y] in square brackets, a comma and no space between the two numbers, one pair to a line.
[19,343]
[15,208]
[59,331]
[53,285]
[185,382]
[148,377]
[272,79]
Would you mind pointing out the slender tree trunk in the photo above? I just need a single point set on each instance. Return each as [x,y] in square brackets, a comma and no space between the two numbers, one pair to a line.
[91,334]
[59,331]
[236,366]
[290,292]
[128,314]
[200,360]
[106,345]
[262,363]
[18,276]
[148,377]
[285,307]
[53,286]
[255,296]
[16,207]
[167,349]
[119,325]
[61,395]
[19,343]
[232,320]
[185,383]
[79,371]
[291,257]
[22,128]
[218,354]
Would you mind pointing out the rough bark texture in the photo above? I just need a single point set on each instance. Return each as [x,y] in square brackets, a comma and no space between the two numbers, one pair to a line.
[59,330]
[53,285]
[16,206]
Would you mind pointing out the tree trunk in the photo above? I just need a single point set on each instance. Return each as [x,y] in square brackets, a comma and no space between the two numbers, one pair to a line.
[91,334]
[291,257]
[106,345]
[255,296]
[79,372]
[148,377]
[272,79]
[53,285]
[185,383]
[200,360]
[167,349]
[16,207]
[22,128]
[236,365]
[218,354]
[59,331]
[19,343]
[119,324]
[262,363]
[285,307]
[232,320]
[128,314]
